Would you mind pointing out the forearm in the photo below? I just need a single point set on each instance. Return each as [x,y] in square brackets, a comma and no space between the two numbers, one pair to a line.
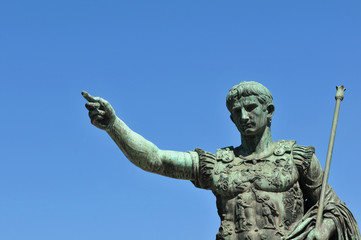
[148,156]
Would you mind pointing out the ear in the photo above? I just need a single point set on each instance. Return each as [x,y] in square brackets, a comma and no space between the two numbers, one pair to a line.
[270,110]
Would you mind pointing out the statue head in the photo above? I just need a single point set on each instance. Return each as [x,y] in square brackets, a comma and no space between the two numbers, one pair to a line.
[250,105]
[244,89]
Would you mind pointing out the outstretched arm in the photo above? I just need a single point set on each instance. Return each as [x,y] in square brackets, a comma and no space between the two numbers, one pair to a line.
[137,149]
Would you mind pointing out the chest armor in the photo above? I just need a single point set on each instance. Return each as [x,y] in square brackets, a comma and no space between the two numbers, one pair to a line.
[258,198]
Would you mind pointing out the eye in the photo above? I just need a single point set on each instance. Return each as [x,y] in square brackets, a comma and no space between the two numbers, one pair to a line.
[250,107]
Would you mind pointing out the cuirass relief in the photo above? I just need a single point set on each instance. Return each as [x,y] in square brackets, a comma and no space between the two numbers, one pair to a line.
[259,198]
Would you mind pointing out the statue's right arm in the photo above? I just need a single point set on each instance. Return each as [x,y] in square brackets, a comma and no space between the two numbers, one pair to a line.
[148,156]
[137,149]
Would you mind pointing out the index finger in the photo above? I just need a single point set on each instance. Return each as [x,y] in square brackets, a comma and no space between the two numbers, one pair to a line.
[89,97]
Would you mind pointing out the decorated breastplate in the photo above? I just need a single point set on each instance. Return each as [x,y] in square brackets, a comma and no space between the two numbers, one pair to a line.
[234,174]
[258,198]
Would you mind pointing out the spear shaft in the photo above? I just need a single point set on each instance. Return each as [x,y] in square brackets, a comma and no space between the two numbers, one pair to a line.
[339,98]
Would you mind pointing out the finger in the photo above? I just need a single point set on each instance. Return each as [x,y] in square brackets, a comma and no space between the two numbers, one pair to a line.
[101,126]
[92,105]
[89,97]
[98,122]
[95,112]
[311,236]
[95,120]
[107,107]
[300,229]
[297,237]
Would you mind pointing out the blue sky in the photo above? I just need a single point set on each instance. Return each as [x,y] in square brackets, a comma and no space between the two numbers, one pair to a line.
[166,67]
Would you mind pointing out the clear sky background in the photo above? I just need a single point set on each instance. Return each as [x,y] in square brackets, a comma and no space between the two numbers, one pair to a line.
[166,67]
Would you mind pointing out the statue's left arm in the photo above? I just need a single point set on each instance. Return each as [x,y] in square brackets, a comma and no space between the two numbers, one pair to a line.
[338,221]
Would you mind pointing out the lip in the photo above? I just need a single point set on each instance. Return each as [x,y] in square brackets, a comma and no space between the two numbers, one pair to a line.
[247,125]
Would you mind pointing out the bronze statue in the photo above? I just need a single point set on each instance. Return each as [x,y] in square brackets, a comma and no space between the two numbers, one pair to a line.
[265,190]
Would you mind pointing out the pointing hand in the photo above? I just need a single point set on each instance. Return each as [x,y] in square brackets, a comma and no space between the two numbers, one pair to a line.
[101,113]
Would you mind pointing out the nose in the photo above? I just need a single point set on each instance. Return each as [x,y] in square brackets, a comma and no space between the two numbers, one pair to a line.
[244,115]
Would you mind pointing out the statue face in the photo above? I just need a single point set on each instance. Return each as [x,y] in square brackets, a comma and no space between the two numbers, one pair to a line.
[250,116]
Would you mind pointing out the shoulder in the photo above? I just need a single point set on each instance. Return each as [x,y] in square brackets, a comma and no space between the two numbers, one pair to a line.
[204,155]
[283,146]
[206,164]
[302,156]
[225,154]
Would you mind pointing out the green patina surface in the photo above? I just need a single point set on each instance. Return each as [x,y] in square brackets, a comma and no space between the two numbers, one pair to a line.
[265,189]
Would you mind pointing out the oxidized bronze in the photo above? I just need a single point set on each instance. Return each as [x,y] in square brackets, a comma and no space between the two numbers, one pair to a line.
[265,189]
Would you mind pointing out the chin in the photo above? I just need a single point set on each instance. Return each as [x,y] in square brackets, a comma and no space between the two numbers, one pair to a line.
[248,133]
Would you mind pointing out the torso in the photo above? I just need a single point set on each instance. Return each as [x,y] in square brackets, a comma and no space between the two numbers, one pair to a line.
[258,198]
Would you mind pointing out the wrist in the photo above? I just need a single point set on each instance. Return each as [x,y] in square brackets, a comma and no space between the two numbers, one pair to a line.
[111,124]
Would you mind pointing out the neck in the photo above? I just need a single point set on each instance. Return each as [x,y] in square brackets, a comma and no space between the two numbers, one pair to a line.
[257,144]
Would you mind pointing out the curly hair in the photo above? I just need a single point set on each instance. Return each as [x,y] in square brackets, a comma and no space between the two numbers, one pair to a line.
[251,88]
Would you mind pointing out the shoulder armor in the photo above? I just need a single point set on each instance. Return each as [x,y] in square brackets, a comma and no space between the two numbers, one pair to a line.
[302,156]
[206,165]
[225,155]
[284,146]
